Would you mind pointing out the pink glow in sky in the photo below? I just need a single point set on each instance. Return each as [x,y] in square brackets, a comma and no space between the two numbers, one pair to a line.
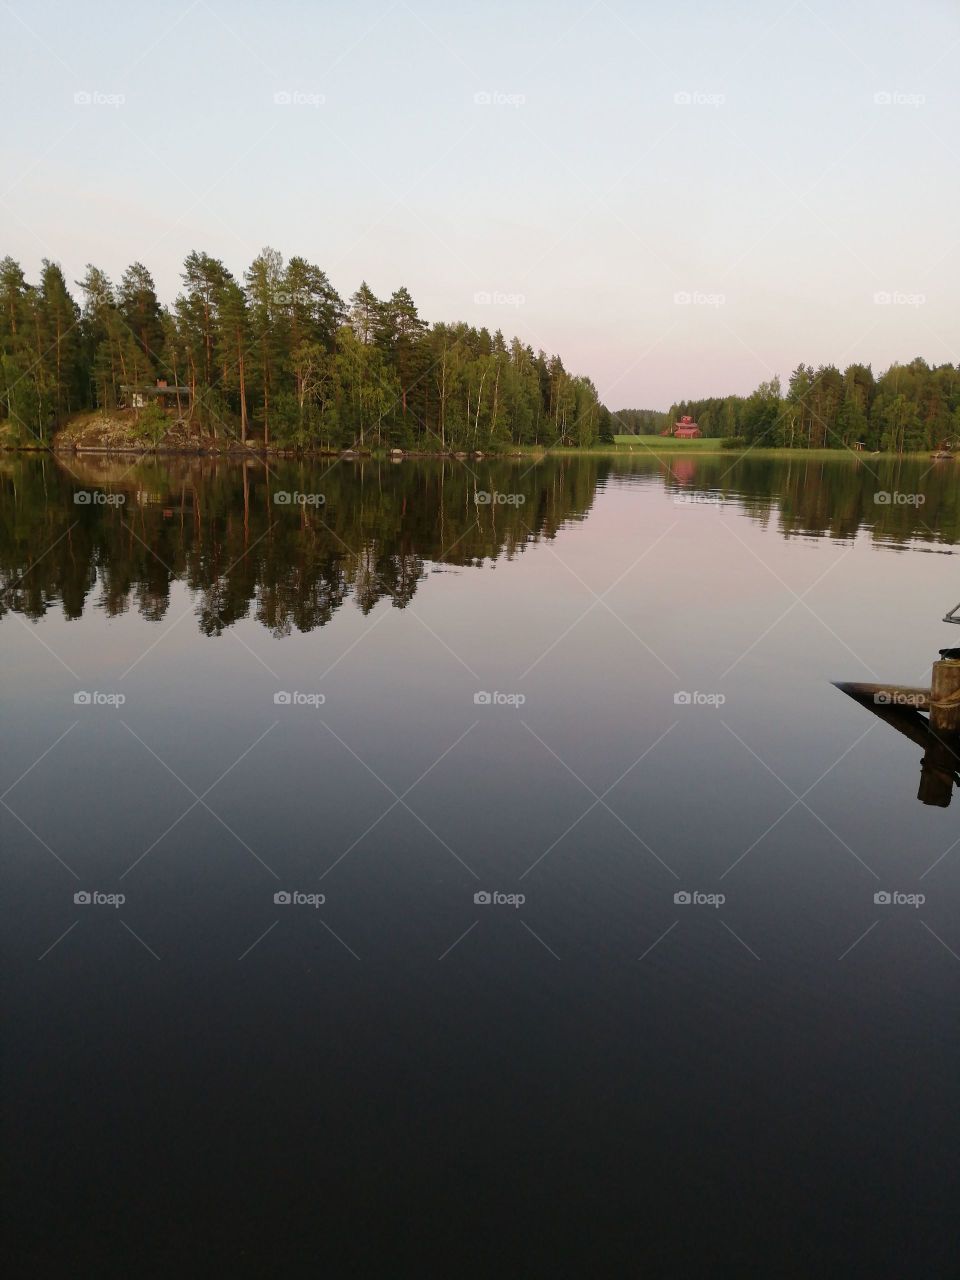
[681,200]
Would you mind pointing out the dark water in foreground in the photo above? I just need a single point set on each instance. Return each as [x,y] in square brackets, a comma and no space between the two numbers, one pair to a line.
[599,1078]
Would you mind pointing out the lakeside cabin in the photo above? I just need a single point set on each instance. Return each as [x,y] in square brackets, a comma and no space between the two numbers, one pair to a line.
[686,429]
[168,397]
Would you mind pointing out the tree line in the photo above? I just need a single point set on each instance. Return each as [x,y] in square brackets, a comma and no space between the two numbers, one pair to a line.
[276,357]
[910,407]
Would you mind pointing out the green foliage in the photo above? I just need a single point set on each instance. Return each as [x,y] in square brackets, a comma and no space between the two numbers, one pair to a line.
[278,355]
[152,423]
[909,408]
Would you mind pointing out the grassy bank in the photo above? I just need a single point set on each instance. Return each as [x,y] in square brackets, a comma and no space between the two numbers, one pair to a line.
[120,431]
[665,447]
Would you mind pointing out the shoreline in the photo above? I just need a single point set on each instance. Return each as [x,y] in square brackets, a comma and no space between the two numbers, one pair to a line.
[235,452]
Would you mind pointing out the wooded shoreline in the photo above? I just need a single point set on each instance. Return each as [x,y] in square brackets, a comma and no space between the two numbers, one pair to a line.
[237,451]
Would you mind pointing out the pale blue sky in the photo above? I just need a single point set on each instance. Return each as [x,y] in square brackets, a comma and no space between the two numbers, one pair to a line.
[583,197]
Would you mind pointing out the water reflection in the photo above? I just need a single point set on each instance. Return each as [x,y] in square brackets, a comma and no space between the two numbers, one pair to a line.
[377,528]
[288,542]
[941,749]
[897,502]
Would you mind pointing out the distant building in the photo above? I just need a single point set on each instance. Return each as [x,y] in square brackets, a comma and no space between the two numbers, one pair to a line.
[139,395]
[686,429]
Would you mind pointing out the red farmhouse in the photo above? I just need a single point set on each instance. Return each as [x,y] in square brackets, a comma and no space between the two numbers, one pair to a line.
[686,429]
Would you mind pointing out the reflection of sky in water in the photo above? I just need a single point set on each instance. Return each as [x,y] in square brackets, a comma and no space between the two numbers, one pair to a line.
[788,798]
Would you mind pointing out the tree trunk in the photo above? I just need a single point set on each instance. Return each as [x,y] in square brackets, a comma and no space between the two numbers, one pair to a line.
[243,394]
[496,396]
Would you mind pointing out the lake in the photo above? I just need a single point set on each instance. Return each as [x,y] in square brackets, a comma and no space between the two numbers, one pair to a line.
[398,855]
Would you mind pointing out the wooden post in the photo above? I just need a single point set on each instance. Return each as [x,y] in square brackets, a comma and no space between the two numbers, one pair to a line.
[945,696]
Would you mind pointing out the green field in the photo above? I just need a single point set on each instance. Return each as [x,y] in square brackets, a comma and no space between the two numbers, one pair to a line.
[659,443]
[666,445]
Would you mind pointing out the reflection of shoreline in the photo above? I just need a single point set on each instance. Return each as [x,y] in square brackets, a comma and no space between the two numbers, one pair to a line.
[374,527]
[102,533]
[898,502]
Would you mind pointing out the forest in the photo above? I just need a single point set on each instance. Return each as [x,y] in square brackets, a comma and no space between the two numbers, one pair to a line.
[908,408]
[275,358]
[278,358]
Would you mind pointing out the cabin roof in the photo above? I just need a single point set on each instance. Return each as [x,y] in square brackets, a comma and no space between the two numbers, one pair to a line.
[151,389]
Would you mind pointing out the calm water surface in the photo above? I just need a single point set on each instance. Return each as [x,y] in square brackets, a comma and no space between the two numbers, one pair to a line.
[608,685]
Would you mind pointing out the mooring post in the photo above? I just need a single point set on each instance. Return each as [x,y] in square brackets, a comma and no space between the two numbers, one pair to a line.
[945,693]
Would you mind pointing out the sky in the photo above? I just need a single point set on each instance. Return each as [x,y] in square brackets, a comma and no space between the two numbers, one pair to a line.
[681,199]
